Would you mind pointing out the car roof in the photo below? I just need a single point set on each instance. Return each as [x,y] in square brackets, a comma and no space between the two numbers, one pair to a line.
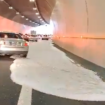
[8,32]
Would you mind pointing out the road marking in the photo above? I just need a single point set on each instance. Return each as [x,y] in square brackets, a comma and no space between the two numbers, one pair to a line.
[25,97]
[71,60]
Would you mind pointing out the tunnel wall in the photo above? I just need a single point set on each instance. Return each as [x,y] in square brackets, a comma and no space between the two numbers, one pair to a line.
[79,27]
[8,25]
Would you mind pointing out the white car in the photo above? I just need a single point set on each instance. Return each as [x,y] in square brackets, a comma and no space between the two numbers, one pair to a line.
[13,44]
[33,38]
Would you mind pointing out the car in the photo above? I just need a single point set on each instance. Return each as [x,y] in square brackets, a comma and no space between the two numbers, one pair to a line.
[25,37]
[45,37]
[13,44]
[33,38]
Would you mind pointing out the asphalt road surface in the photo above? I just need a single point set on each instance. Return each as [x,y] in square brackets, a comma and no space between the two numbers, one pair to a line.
[9,91]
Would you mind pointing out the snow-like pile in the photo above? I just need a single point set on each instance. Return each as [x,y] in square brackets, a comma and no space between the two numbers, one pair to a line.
[48,70]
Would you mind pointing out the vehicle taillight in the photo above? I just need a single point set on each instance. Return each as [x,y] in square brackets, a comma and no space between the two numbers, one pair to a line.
[26,44]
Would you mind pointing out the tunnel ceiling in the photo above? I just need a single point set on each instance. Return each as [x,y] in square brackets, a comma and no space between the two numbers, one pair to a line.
[27,12]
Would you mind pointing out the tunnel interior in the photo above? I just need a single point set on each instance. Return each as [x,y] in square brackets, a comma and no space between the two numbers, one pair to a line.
[78,36]
[78,25]
[21,17]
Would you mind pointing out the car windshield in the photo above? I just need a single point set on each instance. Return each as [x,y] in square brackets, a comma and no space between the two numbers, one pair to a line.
[10,35]
[33,35]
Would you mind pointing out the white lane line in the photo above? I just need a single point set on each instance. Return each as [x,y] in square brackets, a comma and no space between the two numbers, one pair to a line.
[71,61]
[25,96]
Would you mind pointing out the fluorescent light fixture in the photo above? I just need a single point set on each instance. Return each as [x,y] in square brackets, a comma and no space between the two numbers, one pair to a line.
[10,7]
[32,0]
[37,13]
[34,8]
[17,13]
[39,17]
[22,16]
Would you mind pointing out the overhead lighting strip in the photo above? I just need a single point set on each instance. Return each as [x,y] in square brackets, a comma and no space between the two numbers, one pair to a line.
[17,12]
[37,11]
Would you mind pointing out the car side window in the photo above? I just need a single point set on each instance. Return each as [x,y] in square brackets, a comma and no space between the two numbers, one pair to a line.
[18,36]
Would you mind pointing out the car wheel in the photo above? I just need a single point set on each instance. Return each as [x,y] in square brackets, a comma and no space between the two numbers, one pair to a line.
[8,55]
[24,56]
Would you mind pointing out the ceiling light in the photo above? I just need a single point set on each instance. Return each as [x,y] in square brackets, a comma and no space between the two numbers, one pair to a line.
[37,13]
[1,0]
[17,13]
[10,7]
[32,0]
[22,16]
[26,18]
[39,17]
[34,8]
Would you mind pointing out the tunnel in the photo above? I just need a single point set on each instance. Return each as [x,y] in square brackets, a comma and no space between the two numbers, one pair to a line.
[79,25]
[68,69]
